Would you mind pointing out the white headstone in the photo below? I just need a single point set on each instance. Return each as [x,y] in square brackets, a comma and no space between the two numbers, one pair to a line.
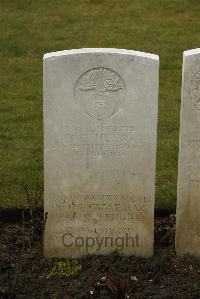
[188,204]
[100,125]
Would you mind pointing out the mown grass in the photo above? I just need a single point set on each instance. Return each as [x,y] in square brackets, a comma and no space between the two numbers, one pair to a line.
[31,28]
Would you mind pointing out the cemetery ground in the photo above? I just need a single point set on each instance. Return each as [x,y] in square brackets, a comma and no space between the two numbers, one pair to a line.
[25,273]
[31,28]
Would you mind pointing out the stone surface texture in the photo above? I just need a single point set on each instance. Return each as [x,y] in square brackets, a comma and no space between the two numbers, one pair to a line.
[188,201]
[100,127]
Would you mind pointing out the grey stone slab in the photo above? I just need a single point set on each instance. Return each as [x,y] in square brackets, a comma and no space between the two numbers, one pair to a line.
[100,127]
[188,191]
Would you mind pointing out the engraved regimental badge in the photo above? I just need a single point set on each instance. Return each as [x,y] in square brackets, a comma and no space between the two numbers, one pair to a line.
[195,90]
[100,92]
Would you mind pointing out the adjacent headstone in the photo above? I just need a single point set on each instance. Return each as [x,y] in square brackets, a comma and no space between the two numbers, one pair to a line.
[100,124]
[188,205]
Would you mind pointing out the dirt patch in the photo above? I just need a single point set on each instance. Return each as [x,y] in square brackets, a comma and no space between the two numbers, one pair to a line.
[24,271]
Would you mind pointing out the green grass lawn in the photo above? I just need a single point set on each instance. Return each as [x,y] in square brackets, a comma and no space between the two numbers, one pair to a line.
[30,28]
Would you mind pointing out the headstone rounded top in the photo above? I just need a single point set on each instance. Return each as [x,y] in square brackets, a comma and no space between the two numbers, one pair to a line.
[191,52]
[101,50]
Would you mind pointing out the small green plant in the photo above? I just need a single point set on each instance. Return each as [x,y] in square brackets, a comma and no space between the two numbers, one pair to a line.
[65,269]
[196,286]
